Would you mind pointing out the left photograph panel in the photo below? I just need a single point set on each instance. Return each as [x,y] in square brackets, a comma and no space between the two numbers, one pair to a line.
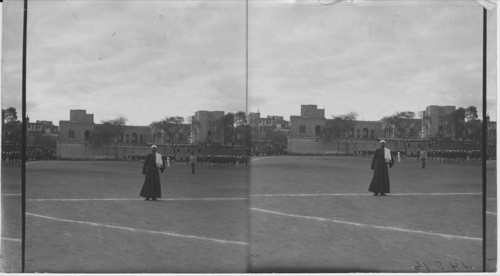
[11,101]
[136,137]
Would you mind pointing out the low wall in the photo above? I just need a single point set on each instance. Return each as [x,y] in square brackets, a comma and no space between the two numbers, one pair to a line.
[84,151]
[319,147]
[75,151]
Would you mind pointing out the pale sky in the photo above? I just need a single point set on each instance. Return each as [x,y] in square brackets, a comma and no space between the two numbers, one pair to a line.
[149,59]
[373,60]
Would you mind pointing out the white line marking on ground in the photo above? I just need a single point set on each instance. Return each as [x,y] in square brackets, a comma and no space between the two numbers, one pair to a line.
[12,240]
[172,234]
[11,195]
[369,225]
[138,199]
[491,213]
[365,194]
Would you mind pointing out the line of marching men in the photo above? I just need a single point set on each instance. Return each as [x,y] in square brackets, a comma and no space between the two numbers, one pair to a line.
[214,161]
[206,160]
[458,156]
[446,156]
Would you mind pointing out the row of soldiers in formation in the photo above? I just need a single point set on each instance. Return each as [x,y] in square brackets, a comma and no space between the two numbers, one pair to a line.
[205,160]
[449,156]
[14,157]
[268,150]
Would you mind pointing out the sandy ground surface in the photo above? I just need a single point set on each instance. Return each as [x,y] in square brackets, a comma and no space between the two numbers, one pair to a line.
[314,214]
[307,214]
[199,224]
[11,218]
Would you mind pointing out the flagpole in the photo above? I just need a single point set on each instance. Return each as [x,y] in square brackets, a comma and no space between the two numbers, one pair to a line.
[23,137]
[485,136]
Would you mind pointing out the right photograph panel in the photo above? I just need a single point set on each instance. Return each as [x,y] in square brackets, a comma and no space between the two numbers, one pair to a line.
[366,121]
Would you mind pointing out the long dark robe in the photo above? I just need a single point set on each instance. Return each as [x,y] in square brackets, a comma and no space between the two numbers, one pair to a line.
[151,187]
[380,181]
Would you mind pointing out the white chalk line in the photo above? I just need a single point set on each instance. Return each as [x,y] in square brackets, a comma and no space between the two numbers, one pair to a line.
[242,198]
[140,199]
[491,213]
[365,194]
[369,225]
[172,234]
[10,239]
[11,194]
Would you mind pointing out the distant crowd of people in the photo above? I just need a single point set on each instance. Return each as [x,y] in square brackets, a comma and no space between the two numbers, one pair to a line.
[203,160]
[268,150]
[154,164]
[14,157]
[447,156]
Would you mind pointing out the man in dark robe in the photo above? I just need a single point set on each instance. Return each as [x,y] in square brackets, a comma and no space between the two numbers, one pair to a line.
[380,181]
[153,164]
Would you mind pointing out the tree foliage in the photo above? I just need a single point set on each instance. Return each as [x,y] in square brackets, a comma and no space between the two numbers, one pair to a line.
[242,129]
[11,127]
[406,125]
[339,126]
[225,129]
[465,122]
[173,130]
[45,142]
[233,129]
[276,137]
[108,132]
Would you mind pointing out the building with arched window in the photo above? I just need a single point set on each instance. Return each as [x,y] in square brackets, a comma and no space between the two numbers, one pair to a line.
[368,130]
[302,129]
[310,123]
[75,135]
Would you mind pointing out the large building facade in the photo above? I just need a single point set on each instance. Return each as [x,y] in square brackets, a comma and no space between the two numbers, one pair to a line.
[309,124]
[41,128]
[75,139]
[436,122]
[492,131]
[78,129]
[366,130]
[206,126]
[260,127]
[307,134]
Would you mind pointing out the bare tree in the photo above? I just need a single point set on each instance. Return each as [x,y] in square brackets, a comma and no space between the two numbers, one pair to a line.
[338,128]
[173,130]
[108,132]
[405,124]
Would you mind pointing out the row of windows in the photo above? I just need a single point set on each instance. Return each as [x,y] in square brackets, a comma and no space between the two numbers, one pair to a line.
[71,134]
[365,133]
[317,130]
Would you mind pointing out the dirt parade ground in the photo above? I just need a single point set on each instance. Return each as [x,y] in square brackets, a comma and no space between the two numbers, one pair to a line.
[283,214]
[314,214]
[87,217]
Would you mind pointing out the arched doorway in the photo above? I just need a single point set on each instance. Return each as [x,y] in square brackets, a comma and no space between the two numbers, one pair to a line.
[365,132]
[317,130]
